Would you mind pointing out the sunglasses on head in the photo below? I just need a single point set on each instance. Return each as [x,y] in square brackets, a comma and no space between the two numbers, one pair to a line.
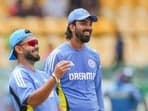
[31,42]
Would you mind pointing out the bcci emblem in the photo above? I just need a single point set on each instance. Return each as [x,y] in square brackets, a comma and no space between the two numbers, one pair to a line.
[91,63]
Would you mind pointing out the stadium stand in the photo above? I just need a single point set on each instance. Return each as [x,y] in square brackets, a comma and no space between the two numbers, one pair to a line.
[127,16]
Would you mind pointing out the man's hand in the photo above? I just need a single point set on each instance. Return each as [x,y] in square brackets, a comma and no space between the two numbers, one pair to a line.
[61,68]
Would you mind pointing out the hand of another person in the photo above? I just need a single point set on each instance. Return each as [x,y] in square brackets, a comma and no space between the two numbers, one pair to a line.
[61,68]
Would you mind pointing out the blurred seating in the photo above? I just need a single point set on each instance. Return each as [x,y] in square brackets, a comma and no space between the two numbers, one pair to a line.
[130,17]
[3,8]
[49,25]
[56,26]
[112,4]
[128,3]
[143,3]
[104,44]
[103,26]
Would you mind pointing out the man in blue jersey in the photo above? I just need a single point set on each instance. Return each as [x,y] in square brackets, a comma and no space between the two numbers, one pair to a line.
[82,83]
[123,94]
[29,86]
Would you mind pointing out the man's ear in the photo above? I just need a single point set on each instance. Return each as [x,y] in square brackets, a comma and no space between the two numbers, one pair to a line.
[18,49]
[72,27]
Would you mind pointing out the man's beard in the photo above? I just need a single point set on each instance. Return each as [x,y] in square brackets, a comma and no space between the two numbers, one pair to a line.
[83,38]
[30,57]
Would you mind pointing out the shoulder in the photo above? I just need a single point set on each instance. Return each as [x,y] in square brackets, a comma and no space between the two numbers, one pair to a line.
[59,51]
[60,48]
[17,77]
[17,71]
[92,51]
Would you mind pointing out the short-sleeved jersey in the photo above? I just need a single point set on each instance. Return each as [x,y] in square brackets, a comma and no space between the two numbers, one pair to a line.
[24,82]
[124,96]
[82,83]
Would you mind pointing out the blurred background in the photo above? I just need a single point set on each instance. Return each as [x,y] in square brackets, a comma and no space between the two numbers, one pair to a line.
[120,36]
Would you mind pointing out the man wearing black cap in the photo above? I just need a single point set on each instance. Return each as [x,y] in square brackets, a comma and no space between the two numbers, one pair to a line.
[30,88]
[82,83]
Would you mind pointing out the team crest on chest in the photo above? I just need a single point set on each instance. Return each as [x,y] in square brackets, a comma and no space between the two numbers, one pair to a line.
[91,63]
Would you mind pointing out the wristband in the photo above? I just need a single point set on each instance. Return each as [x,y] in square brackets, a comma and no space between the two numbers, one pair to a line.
[55,77]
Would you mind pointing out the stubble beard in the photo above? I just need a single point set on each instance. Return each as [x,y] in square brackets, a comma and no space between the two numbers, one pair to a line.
[83,38]
[30,57]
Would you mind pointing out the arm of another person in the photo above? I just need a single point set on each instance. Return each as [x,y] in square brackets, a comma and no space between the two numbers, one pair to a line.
[39,95]
[50,63]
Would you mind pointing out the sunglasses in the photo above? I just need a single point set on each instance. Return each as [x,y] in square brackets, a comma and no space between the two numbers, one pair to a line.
[31,42]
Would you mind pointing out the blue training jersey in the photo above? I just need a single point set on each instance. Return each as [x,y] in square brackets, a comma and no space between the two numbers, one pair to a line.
[82,83]
[24,82]
[124,96]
